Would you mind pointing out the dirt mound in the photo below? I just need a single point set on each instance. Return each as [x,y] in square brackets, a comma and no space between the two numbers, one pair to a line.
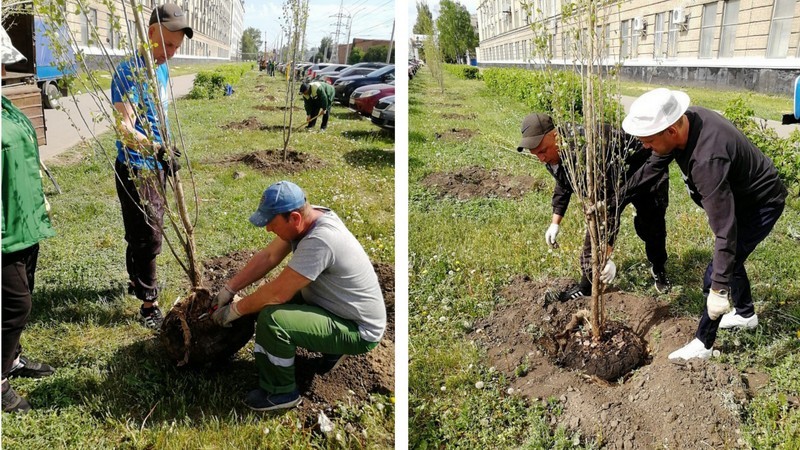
[456,134]
[356,377]
[265,107]
[270,161]
[250,123]
[478,182]
[271,98]
[662,404]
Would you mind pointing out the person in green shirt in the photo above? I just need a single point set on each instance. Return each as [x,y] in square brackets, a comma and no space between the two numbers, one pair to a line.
[25,222]
[318,99]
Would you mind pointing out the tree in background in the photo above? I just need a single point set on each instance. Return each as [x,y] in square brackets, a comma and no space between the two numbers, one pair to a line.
[456,35]
[377,54]
[251,43]
[325,50]
[355,56]
[424,16]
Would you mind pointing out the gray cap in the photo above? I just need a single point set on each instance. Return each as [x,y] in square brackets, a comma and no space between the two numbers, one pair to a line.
[534,127]
[172,17]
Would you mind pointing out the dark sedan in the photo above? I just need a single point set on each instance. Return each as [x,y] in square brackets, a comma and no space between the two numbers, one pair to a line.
[346,85]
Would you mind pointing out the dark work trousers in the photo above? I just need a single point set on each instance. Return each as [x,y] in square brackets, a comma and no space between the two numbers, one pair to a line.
[651,227]
[19,269]
[143,225]
[324,118]
[751,228]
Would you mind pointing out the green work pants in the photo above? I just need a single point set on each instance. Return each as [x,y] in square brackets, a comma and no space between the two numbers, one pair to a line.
[280,329]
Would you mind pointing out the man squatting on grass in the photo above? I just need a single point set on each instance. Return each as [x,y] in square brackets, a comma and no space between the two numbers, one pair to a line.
[327,299]
[25,223]
[540,136]
[141,151]
[317,98]
[727,176]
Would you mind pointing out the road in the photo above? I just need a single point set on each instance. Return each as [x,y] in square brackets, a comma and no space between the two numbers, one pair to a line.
[75,121]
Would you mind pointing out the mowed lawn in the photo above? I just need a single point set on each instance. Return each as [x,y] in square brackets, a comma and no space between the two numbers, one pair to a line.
[463,252]
[113,387]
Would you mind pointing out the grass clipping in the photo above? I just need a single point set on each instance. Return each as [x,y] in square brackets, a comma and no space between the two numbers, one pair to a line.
[189,336]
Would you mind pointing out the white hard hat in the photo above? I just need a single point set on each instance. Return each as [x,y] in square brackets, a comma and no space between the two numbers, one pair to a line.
[9,54]
[654,111]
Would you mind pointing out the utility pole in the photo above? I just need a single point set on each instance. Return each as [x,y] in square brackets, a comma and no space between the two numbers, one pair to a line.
[265,44]
[349,28]
[391,44]
[338,32]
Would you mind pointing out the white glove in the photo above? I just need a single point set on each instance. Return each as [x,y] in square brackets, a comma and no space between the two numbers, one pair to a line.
[609,272]
[227,314]
[224,296]
[551,234]
[717,304]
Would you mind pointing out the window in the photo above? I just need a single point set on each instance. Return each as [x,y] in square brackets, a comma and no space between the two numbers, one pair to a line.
[780,28]
[566,46]
[625,41]
[672,39]
[113,39]
[658,36]
[707,30]
[727,38]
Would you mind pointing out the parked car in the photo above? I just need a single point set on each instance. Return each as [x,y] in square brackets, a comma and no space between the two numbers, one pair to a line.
[350,71]
[383,113]
[314,68]
[331,69]
[346,85]
[300,70]
[363,99]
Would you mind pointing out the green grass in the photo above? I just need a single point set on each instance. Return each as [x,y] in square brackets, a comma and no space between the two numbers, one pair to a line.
[766,106]
[176,69]
[462,253]
[113,387]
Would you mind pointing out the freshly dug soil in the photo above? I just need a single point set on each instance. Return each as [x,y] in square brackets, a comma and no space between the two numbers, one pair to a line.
[660,405]
[474,182]
[456,134]
[356,377]
[270,161]
[457,116]
[250,123]
[618,351]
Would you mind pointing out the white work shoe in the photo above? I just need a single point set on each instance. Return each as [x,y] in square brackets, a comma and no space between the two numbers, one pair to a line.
[694,349]
[733,320]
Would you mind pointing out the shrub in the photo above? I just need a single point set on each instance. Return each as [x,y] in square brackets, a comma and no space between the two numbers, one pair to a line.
[463,71]
[784,152]
[211,83]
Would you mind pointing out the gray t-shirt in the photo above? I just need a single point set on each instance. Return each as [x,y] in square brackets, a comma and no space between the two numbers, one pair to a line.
[342,278]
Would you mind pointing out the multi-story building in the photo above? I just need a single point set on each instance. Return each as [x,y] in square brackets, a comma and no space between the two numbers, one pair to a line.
[217,26]
[752,44]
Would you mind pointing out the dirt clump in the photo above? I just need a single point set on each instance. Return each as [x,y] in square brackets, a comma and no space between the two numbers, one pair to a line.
[271,98]
[456,116]
[266,107]
[661,404]
[456,134]
[473,182]
[251,123]
[270,161]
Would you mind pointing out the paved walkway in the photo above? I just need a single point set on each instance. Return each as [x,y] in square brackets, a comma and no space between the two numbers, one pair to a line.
[63,134]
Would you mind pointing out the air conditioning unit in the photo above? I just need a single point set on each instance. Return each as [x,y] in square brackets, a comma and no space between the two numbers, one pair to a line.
[639,24]
[678,16]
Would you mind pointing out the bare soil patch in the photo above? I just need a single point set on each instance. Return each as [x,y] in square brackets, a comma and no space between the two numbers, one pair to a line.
[251,123]
[456,134]
[270,161]
[271,98]
[356,377]
[457,116]
[696,404]
[474,182]
[274,107]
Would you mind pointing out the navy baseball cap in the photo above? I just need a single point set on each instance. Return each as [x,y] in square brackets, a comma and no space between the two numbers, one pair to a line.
[281,197]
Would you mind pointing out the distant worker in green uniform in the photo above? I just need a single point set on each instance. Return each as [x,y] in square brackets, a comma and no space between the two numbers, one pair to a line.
[318,98]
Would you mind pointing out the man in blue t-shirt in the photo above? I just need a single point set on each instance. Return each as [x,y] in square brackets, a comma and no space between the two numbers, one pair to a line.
[142,157]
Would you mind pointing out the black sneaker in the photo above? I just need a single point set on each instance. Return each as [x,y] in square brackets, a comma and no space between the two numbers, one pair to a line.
[329,362]
[261,400]
[13,402]
[661,283]
[573,293]
[151,317]
[30,369]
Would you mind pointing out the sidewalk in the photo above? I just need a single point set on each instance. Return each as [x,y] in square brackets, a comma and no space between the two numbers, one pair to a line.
[62,134]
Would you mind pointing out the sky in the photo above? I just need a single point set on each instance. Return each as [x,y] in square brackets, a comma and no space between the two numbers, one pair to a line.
[472,7]
[372,19]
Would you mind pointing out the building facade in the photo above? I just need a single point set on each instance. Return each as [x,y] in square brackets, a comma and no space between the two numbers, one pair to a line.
[217,26]
[752,44]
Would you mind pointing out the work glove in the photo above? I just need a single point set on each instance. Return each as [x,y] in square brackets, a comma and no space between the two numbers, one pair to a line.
[717,304]
[609,272]
[224,296]
[551,234]
[223,316]
[169,166]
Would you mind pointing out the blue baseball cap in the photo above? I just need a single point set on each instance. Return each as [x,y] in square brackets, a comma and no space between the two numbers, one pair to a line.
[281,197]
